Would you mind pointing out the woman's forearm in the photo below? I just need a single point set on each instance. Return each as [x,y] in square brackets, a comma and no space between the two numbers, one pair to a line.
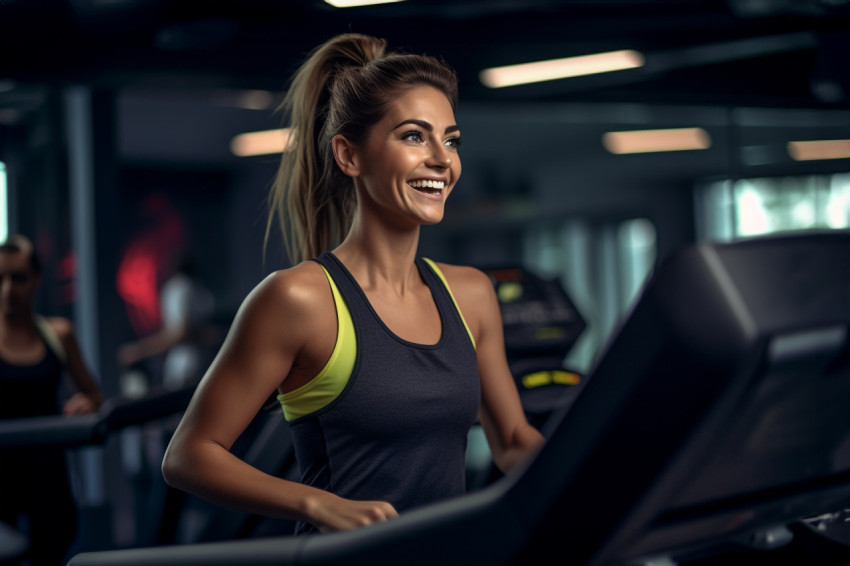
[209,471]
[525,442]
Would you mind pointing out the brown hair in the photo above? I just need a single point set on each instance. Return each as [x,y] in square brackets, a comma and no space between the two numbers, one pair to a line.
[344,87]
[18,243]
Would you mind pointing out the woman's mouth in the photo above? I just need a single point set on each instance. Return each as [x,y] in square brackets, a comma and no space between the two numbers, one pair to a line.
[429,187]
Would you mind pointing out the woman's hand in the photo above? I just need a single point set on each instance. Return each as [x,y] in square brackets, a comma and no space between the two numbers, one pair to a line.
[128,354]
[332,513]
[79,404]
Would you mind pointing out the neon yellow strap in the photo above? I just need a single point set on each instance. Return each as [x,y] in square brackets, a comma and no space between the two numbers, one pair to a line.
[446,283]
[328,383]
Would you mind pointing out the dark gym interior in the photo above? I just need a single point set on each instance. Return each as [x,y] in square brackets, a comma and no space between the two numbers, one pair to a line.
[677,319]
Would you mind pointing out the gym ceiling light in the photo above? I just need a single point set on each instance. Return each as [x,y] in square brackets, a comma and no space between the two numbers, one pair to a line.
[553,69]
[649,141]
[819,149]
[355,3]
[264,142]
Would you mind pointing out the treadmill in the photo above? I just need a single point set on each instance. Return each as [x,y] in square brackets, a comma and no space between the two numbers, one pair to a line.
[713,425]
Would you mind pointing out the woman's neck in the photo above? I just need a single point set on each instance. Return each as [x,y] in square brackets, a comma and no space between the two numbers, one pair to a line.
[17,322]
[379,256]
[20,342]
[19,329]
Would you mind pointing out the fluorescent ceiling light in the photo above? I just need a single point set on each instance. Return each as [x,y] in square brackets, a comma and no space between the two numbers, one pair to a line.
[819,149]
[245,99]
[498,77]
[648,141]
[355,3]
[260,143]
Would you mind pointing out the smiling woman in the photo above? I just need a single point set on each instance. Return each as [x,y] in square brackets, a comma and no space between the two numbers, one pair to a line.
[382,360]
[400,154]
[344,88]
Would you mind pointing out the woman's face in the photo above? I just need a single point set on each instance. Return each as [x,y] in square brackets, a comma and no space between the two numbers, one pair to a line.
[409,163]
[17,283]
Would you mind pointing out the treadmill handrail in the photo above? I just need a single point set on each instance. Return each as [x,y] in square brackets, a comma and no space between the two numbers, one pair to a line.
[81,430]
[51,431]
[459,524]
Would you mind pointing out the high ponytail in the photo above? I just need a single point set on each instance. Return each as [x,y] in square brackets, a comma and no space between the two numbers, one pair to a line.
[344,87]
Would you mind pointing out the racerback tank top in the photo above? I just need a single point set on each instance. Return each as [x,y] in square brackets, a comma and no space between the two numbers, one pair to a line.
[31,390]
[398,430]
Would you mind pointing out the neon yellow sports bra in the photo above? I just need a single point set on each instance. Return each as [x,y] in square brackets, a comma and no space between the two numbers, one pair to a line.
[333,378]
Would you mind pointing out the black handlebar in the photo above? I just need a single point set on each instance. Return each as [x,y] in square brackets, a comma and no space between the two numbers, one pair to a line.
[82,430]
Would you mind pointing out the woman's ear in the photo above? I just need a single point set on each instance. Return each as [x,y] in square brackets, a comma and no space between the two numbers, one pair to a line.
[345,155]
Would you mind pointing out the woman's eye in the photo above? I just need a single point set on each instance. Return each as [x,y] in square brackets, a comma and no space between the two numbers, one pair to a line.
[413,136]
[453,142]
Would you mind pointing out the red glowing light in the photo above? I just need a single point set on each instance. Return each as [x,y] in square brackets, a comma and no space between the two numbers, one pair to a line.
[145,263]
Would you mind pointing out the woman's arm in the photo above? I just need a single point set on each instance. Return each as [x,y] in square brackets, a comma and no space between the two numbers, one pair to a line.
[281,327]
[152,345]
[511,438]
[87,398]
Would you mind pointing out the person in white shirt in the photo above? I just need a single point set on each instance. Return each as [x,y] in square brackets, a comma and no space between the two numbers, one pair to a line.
[187,306]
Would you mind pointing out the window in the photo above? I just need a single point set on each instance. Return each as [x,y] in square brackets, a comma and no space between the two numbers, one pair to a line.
[727,210]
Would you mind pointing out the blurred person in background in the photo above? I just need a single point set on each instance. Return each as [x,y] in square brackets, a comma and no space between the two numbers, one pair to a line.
[182,344]
[186,333]
[35,353]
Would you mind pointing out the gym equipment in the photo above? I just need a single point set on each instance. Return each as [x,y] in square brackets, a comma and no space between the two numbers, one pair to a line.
[716,417]
[541,324]
[19,436]
[82,430]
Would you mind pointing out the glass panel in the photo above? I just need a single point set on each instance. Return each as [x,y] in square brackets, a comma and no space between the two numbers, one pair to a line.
[602,266]
[837,208]
[760,206]
[637,253]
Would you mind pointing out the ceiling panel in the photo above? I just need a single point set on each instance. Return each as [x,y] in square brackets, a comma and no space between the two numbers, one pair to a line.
[754,52]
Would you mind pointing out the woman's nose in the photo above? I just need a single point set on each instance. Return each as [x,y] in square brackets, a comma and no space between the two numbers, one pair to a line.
[441,157]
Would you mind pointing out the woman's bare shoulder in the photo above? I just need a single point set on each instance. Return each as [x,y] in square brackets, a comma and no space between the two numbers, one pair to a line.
[63,327]
[465,279]
[297,290]
[287,310]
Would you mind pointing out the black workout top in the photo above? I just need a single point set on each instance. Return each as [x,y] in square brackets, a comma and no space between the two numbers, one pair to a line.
[398,430]
[30,390]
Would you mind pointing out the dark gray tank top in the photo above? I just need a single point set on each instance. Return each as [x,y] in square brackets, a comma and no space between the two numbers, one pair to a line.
[398,430]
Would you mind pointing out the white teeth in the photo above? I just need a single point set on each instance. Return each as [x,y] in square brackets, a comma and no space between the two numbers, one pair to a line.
[426,184]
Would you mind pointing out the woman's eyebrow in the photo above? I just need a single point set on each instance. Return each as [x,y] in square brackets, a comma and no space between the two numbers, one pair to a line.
[425,125]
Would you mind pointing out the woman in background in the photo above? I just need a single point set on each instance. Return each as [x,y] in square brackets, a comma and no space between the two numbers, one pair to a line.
[382,360]
[35,352]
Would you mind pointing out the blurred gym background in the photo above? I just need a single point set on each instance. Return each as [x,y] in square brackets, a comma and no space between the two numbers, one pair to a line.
[121,147]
